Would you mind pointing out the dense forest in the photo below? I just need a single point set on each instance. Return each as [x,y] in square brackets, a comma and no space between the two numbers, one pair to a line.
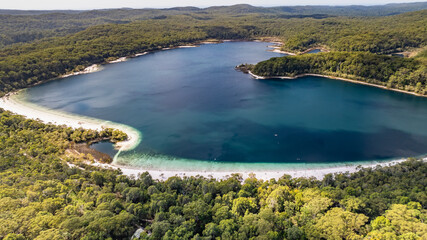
[50,191]
[378,35]
[46,193]
[26,26]
[408,74]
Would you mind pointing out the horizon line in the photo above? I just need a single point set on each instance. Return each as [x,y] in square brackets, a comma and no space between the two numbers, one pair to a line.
[205,7]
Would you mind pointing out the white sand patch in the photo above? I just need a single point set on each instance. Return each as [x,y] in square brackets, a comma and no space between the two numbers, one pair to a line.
[90,69]
[277,49]
[141,54]
[317,173]
[187,46]
[122,59]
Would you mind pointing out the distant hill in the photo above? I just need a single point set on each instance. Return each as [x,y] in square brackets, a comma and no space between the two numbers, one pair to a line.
[238,9]
[353,10]
[26,26]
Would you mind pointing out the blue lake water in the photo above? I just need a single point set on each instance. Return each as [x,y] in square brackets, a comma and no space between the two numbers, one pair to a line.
[314,51]
[193,109]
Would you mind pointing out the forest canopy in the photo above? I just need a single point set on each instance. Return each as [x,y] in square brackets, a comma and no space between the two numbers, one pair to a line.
[408,74]
[26,26]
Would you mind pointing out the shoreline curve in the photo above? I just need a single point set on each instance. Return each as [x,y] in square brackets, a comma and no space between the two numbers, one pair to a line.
[335,78]
[15,102]
[312,172]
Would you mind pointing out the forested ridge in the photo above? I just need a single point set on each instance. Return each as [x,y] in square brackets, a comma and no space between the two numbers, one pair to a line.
[43,197]
[362,56]
[378,35]
[26,26]
[408,74]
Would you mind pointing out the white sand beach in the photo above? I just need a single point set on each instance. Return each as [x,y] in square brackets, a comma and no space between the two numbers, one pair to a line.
[187,46]
[122,59]
[317,173]
[210,42]
[90,69]
[277,49]
[13,103]
[140,54]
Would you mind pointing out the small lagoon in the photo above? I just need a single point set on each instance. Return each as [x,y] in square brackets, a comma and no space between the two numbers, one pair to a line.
[195,111]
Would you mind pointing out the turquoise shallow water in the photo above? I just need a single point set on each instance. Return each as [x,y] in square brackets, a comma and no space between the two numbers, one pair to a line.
[194,110]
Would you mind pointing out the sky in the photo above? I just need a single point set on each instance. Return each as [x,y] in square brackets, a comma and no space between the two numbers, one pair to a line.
[101,4]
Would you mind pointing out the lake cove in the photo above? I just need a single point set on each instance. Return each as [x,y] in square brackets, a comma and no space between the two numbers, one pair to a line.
[195,112]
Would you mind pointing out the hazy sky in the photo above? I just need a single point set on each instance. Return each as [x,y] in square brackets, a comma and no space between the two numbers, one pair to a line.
[96,4]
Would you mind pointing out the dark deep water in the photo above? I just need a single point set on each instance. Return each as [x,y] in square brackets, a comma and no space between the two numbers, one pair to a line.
[190,103]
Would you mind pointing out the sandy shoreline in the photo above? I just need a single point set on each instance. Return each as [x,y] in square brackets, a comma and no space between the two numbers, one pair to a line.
[316,172]
[122,59]
[336,78]
[90,69]
[13,103]
[277,49]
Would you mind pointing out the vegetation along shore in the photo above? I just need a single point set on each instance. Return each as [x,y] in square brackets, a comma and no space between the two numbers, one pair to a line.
[326,76]
[387,72]
[125,137]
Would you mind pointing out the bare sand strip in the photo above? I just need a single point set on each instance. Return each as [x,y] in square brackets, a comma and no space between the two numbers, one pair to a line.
[283,52]
[90,69]
[140,54]
[118,60]
[316,172]
[277,49]
[187,46]
[337,78]
[14,103]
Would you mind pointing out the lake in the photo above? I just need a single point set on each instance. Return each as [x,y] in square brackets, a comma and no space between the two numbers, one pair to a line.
[195,110]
